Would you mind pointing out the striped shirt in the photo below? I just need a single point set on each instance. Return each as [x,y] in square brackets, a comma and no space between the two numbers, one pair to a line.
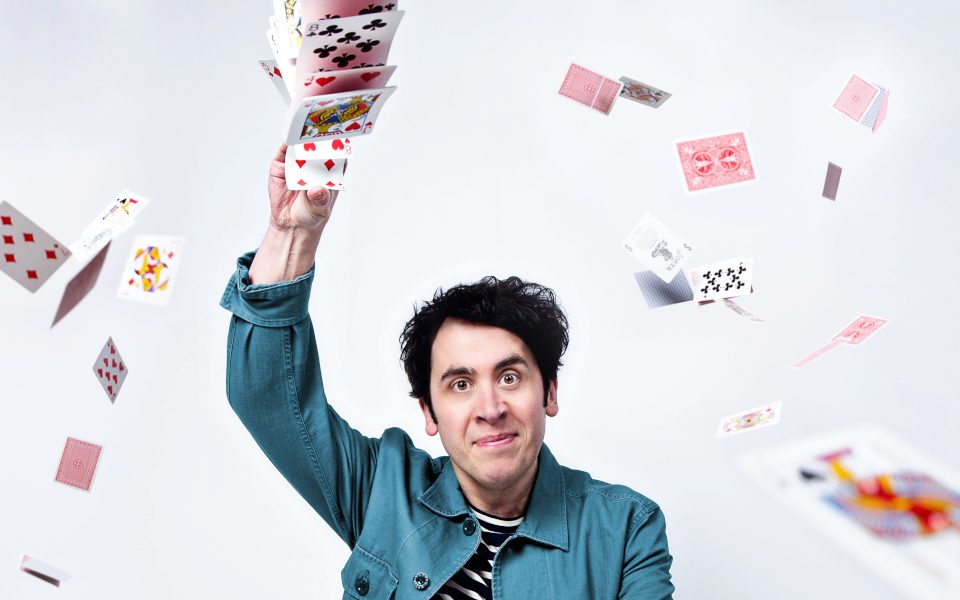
[472,581]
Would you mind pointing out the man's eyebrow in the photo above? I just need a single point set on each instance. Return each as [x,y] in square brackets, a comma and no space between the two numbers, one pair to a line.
[456,372]
[515,359]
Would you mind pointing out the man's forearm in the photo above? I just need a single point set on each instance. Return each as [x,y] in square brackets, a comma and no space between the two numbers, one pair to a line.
[284,255]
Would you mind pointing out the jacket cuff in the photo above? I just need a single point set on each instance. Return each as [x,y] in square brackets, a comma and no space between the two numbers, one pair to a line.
[270,305]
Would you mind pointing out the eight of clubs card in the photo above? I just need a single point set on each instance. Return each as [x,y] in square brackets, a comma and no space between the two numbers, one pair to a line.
[152,269]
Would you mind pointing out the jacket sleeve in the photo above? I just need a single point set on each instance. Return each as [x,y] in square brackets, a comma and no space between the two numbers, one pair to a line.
[275,387]
[646,566]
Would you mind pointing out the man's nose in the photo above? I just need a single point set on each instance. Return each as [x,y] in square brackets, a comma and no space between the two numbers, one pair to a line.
[490,404]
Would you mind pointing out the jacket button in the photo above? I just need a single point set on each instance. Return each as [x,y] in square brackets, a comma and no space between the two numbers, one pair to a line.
[469,527]
[421,581]
[361,584]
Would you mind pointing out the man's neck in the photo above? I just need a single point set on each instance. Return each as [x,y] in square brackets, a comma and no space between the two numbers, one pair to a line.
[508,502]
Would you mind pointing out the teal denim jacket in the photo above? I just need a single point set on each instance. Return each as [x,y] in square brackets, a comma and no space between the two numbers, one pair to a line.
[400,510]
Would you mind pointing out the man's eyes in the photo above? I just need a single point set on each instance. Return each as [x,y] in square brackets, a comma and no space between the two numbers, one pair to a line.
[462,385]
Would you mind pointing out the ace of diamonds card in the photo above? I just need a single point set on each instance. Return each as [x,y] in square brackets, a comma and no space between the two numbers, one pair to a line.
[152,269]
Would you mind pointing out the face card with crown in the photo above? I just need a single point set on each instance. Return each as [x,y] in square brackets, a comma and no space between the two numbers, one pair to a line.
[110,370]
[726,279]
[335,115]
[28,254]
[152,269]
[657,247]
[305,174]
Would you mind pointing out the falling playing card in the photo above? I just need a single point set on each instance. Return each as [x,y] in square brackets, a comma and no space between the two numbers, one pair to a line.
[80,285]
[336,115]
[890,505]
[338,82]
[273,72]
[319,10]
[347,43]
[853,334]
[642,93]
[305,174]
[28,254]
[589,88]
[740,310]
[658,293]
[863,102]
[725,279]
[755,418]
[115,219]
[152,269]
[832,181]
[110,370]
[43,571]
[714,161]
[661,250]
[324,149]
[78,463]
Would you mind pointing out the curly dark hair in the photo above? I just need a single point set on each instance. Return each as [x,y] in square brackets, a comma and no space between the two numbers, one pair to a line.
[528,310]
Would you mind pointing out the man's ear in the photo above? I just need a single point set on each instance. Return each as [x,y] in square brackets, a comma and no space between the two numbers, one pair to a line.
[430,425]
[552,406]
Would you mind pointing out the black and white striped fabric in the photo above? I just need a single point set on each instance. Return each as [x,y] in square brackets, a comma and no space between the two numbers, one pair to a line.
[472,582]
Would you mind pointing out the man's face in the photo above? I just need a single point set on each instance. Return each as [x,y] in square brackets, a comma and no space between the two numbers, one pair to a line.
[487,394]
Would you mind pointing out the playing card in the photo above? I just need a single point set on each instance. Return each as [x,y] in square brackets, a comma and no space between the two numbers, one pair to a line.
[661,250]
[319,10]
[589,88]
[714,161]
[78,463]
[116,218]
[740,310]
[860,329]
[28,254]
[80,285]
[286,24]
[305,174]
[642,93]
[725,279]
[856,97]
[347,43]
[658,293]
[151,269]
[877,111]
[42,570]
[832,181]
[893,507]
[110,370]
[755,418]
[276,76]
[324,149]
[337,82]
[335,115]
[853,334]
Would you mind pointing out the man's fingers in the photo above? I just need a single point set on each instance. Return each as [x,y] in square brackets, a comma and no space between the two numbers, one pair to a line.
[281,155]
[321,197]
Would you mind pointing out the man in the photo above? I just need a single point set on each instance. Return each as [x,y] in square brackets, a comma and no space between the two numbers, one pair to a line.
[498,517]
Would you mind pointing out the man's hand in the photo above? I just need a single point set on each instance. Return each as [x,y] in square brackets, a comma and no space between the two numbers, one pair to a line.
[297,219]
[306,210]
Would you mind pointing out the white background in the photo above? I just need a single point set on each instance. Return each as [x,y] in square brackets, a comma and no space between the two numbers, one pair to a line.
[477,167]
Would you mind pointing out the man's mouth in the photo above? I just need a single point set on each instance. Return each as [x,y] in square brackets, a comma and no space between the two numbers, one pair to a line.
[495,441]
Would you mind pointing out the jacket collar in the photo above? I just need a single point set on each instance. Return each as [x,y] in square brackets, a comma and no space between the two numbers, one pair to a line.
[546,518]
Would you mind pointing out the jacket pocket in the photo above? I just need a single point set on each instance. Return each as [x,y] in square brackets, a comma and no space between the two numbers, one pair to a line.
[366,577]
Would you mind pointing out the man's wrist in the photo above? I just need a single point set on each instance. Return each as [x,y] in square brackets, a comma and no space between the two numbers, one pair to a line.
[284,254]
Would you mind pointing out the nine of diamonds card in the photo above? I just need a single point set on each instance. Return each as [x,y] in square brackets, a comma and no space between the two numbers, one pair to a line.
[715,161]
[78,463]
[110,370]
[28,254]
[151,269]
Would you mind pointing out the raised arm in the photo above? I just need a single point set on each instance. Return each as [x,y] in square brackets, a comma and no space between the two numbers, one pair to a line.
[273,370]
